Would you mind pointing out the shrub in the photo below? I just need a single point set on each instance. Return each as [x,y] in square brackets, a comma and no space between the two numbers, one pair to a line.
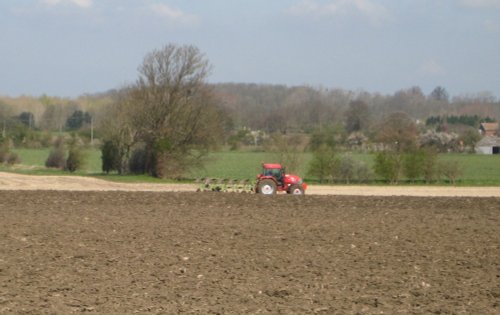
[4,155]
[13,158]
[75,160]
[442,141]
[345,169]
[110,157]
[356,140]
[413,164]
[4,149]
[137,163]
[171,165]
[56,156]
[451,170]
[350,170]
[323,163]
[363,172]
[388,166]
[429,167]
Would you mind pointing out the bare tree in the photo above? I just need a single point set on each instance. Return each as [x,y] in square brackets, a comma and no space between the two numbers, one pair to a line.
[120,134]
[5,113]
[357,116]
[173,109]
[439,94]
[323,163]
[398,131]
[287,149]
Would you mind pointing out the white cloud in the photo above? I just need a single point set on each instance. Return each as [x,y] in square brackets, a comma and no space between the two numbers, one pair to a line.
[83,3]
[371,9]
[375,12]
[305,7]
[173,14]
[480,3]
[168,12]
[431,67]
[79,3]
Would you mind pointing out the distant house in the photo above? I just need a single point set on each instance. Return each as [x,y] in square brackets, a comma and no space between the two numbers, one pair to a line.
[488,145]
[489,129]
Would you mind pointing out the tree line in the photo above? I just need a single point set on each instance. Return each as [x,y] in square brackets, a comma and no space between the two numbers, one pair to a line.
[165,123]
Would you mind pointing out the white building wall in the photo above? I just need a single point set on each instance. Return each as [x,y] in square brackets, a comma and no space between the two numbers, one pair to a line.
[484,150]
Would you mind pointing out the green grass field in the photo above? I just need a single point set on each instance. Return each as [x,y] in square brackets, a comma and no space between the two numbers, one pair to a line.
[476,169]
[33,160]
[240,165]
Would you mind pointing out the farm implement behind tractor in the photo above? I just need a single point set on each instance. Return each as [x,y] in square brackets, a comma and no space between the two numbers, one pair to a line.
[225,185]
[272,180]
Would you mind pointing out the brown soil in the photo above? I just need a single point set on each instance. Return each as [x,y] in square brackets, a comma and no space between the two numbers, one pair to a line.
[215,253]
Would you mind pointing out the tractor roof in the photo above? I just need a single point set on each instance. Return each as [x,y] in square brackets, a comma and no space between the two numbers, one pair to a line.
[271,165]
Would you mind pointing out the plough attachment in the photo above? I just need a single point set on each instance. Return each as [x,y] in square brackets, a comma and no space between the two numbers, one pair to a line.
[225,185]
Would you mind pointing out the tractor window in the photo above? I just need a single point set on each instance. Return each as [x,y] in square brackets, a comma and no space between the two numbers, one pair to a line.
[276,173]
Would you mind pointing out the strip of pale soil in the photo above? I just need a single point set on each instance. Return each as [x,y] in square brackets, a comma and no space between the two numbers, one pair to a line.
[11,181]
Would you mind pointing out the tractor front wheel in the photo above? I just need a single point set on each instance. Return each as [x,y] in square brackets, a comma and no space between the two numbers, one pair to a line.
[296,190]
[266,187]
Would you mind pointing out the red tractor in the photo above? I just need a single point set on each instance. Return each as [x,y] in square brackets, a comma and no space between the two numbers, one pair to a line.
[274,179]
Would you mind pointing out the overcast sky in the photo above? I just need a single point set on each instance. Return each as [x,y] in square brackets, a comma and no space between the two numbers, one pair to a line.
[71,47]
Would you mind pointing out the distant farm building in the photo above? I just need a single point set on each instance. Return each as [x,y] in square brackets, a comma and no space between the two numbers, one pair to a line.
[489,145]
[489,129]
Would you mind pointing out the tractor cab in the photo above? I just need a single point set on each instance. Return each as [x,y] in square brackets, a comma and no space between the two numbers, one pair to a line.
[273,170]
[273,178]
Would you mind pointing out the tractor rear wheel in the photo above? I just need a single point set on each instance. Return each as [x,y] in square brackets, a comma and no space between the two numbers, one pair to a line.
[296,190]
[266,187]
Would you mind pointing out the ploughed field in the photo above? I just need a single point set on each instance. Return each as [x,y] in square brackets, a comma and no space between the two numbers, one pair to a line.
[214,253]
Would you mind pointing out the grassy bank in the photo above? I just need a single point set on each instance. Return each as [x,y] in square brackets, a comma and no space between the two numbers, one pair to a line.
[476,169]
